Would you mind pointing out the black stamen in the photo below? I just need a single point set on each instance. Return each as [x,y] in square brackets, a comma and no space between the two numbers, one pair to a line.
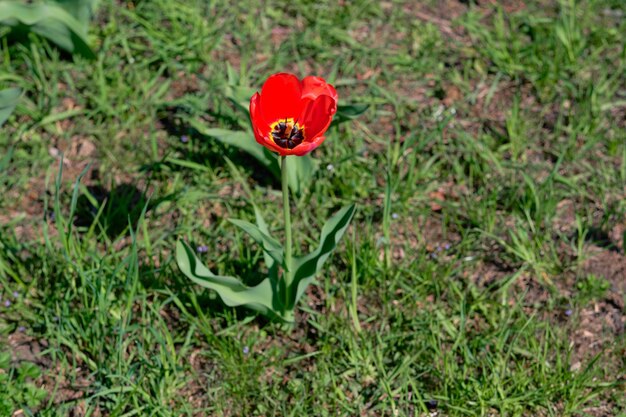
[287,139]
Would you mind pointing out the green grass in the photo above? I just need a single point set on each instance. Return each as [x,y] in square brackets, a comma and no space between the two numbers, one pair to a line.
[485,303]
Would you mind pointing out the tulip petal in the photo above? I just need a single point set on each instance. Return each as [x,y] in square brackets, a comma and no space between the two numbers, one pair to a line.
[255,110]
[260,126]
[306,147]
[317,115]
[256,116]
[268,143]
[281,97]
[313,87]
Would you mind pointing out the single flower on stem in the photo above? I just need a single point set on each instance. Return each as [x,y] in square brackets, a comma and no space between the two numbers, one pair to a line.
[290,117]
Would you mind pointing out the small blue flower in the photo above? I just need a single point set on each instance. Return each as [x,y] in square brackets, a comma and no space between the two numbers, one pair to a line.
[16,294]
[395,216]
[7,303]
[21,329]
[202,249]
[446,246]
[246,350]
[568,312]
[184,138]
[431,404]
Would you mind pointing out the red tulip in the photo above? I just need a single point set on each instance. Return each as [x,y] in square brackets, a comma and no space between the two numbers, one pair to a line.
[291,116]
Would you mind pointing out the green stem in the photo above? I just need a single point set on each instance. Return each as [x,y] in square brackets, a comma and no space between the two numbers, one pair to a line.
[288,274]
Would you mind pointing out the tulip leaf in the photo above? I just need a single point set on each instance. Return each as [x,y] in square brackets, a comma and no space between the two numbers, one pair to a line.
[231,290]
[48,20]
[346,112]
[242,140]
[269,245]
[8,101]
[272,265]
[300,170]
[82,10]
[308,266]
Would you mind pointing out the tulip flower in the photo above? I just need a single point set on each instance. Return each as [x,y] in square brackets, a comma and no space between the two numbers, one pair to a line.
[290,116]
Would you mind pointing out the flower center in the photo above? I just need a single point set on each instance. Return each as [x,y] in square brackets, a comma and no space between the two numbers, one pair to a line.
[287,133]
